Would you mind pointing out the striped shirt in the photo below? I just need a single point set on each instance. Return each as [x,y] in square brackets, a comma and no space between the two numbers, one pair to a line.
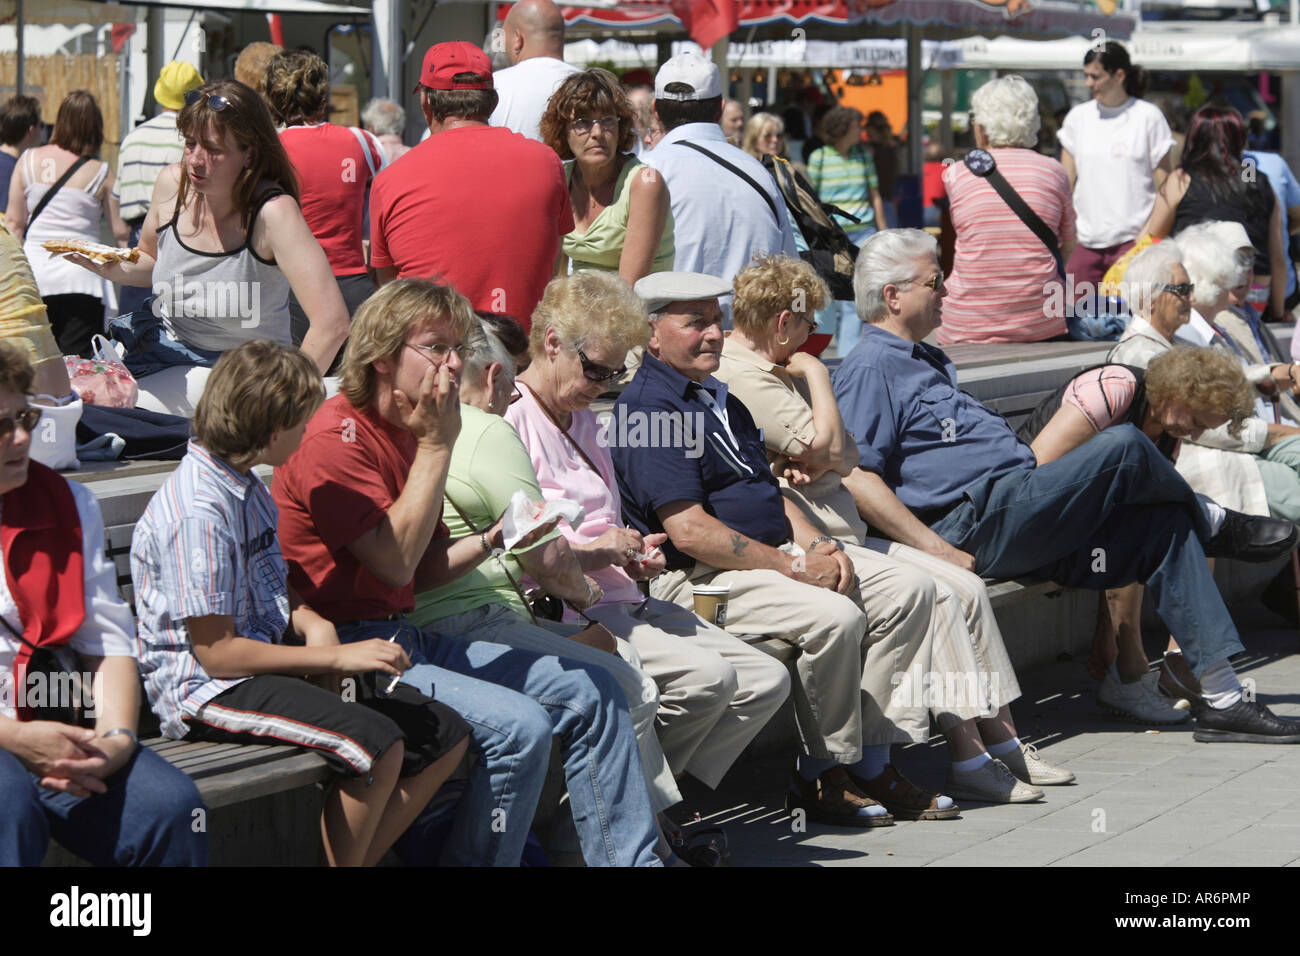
[205,545]
[1004,286]
[846,183]
[146,151]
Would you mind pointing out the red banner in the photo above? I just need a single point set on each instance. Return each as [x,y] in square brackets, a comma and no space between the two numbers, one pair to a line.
[707,21]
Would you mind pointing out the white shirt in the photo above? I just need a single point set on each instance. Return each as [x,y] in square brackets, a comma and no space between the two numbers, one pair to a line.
[1199,333]
[1116,150]
[719,220]
[523,90]
[107,631]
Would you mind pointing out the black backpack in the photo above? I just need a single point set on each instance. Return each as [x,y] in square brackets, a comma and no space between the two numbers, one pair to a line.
[829,250]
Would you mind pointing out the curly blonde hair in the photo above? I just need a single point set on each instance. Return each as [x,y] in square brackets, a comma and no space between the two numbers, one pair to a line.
[590,306]
[1205,379]
[297,85]
[382,323]
[770,286]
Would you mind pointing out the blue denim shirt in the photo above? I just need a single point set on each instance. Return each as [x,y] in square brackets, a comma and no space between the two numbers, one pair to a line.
[734,485]
[927,439]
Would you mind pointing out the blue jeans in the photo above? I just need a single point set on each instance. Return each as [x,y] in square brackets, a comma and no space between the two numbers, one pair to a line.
[1109,513]
[514,701]
[842,316]
[146,818]
[151,348]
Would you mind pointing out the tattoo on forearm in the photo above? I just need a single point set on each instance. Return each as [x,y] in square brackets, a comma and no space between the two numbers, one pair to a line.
[738,544]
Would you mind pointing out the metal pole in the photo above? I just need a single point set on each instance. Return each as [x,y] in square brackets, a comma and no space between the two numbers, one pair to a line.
[914,80]
[949,101]
[18,81]
[395,63]
[155,50]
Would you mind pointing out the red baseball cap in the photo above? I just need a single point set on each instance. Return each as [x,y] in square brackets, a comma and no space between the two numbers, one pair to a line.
[445,60]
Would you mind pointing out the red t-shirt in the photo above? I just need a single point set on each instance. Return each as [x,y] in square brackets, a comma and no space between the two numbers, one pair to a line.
[480,206]
[932,181]
[351,467]
[333,175]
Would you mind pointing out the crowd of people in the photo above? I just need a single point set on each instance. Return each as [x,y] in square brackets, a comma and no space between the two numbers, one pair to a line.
[413,339]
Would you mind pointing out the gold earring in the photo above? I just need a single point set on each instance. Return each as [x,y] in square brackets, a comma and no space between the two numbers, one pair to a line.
[785,341]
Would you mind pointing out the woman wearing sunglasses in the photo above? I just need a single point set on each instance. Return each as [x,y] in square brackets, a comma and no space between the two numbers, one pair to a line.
[716,692]
[222,246]
[620,207]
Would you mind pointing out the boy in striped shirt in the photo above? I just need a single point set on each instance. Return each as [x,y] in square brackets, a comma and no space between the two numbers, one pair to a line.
[215,615]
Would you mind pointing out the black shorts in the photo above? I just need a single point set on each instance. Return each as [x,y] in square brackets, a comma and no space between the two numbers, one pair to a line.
[351,736]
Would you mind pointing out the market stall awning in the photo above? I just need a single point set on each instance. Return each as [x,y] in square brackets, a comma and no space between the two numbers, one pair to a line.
[872,54]
[1022,17]
[1235,47]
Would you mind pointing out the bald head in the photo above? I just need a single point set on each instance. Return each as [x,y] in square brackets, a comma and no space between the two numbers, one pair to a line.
[534,28]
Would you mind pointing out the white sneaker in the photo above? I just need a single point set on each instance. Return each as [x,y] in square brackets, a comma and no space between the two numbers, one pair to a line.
[1140,701]
[991,783]
[1031,768]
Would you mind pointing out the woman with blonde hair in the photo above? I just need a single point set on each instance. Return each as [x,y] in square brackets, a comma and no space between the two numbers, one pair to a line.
[789,394]
[764,135]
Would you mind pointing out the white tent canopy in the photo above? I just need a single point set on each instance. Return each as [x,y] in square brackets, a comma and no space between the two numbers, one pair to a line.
[1248,47]
[880,54]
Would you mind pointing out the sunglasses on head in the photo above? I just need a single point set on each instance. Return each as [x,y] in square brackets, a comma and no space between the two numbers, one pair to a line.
[27,418]
[598,373]
[216,102]
[1182,289]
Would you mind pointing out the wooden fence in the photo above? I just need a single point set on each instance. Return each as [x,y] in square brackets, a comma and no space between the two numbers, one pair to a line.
[51,78]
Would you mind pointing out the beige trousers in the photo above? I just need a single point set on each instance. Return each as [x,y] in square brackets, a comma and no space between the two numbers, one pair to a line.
[715,691]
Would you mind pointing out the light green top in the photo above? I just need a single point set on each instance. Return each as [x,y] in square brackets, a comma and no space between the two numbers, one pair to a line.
[602,244]
[489,463]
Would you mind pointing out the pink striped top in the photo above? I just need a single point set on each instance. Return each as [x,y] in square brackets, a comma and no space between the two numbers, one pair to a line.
[1002,272]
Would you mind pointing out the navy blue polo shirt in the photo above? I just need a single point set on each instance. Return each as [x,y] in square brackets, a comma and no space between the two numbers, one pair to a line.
[731,480]
[926,438]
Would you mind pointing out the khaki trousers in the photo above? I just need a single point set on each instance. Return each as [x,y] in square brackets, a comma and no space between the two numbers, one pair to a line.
[715,691]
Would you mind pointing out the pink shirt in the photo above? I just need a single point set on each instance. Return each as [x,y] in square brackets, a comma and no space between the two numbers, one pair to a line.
[563,473]
[1003,276]
[1103,395]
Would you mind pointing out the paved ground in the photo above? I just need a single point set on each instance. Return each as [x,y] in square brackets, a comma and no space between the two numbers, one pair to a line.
[1142,797]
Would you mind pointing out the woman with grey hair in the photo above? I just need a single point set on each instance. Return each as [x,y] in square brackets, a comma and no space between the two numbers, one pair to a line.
[1006,284]
[387,121]
[1158,292]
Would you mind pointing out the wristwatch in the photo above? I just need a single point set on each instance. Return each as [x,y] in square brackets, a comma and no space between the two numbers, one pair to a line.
[487,546]
[980,162]
[839,545]
[116,731]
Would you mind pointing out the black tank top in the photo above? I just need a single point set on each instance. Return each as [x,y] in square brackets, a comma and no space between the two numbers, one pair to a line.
[1250,204]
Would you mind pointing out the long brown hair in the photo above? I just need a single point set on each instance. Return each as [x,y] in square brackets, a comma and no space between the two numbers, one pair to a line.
[248,120]
[79,125]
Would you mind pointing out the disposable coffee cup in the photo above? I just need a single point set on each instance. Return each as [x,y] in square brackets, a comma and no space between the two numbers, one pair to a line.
[711,602]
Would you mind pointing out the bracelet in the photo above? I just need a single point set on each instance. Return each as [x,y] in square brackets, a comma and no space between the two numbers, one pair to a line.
[487,546]
[839,545]
[121,730]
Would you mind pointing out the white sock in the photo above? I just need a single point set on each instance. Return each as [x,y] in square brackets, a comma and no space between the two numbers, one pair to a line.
[1113,671]
[1006,747]
[966,766]
[1219,686]
[1214,512]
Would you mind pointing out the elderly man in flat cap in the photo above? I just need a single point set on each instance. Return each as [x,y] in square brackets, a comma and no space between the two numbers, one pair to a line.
[856,622]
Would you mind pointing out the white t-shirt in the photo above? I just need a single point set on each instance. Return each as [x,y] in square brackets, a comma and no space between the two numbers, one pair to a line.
[1116,151]
[107,631]
[523,90]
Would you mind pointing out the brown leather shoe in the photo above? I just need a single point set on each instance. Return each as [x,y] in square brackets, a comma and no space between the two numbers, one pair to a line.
[834,799]
[902,798]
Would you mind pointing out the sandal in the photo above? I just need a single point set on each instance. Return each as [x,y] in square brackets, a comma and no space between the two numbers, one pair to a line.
[904,799]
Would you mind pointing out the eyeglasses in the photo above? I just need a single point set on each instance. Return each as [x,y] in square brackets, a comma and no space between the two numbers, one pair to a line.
[935,282]
[1182,289]
[598,373]
[216,101]
[440,352]
[584,125]
[27,418]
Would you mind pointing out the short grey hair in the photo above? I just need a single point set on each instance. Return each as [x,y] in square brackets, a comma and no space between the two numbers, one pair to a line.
[383,117]
[888,257]
[1007,108]
[1150,269]
[487,349]
[1212,265]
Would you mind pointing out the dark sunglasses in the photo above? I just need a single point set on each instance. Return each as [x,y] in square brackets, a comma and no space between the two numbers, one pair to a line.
[935,282]
[598,373]
[1183,289]
[27,418]
[216,101]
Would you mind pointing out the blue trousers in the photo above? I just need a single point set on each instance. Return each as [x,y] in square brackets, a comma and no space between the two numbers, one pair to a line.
[1109,513]
[514,701]
[147,817]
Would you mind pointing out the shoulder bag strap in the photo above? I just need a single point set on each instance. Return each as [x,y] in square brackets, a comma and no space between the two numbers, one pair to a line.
[739,172]
[1027,216]
[81,161]
[501,563]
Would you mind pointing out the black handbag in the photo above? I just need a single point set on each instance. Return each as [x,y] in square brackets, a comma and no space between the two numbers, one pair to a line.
[61,694]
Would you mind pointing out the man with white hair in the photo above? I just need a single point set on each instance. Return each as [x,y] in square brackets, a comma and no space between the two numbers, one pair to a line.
[725,205]
[534,39]
[940,472]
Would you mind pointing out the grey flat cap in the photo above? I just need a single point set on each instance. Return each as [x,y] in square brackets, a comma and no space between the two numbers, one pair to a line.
[660,288]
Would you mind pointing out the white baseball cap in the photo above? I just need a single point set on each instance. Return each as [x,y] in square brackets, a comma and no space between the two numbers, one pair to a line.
[697,72]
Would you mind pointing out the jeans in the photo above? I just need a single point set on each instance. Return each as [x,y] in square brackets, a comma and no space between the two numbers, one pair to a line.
[147,817]
[843,315]
[514,701]
[151,348]
[1109,513]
